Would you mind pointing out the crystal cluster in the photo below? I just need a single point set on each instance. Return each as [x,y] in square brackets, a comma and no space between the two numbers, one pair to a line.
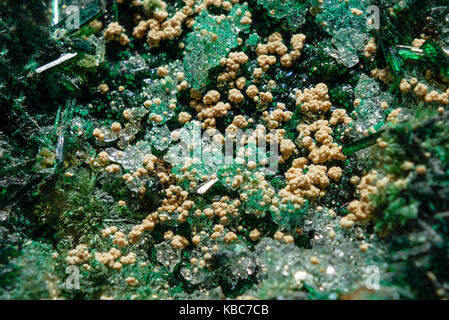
[197,149]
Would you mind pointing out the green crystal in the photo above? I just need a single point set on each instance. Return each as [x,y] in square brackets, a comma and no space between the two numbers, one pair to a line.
[210,42]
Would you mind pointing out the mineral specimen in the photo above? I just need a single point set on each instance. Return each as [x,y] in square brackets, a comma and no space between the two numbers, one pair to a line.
[208,149]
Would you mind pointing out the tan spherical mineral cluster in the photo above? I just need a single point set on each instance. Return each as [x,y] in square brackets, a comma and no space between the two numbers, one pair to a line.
[223,209]
[314,100]
[370,48]
[116,32]
[79,255]
[232,64]
[383,75]
[361,210]
[277,116]
[160,27]
[275,45]
[421,90]
[300,186]
[209,107]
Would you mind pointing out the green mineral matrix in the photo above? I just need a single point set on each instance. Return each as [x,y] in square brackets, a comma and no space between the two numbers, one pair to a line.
[116,180]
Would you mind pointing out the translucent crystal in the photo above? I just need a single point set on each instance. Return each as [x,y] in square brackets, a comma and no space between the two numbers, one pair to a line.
[132,157]
[162,94]
[167,256]
[293,11]
[159,137]
[346,28]
[369,112]
[341,267]
[236,261]
[197,276]
[135,65]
